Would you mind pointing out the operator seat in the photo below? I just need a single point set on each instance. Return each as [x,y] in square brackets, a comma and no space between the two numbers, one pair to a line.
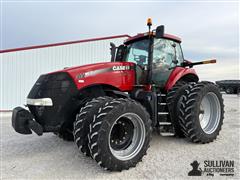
[160,73]
[141,73]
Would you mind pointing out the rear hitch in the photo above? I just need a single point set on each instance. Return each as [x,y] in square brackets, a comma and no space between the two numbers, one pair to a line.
[23,122]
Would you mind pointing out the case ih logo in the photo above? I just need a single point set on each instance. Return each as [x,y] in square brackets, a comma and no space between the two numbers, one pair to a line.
[121,68]
[99,71]
[221,167]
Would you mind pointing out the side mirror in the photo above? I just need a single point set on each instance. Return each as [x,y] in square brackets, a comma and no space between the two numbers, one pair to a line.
[120,53]
[160,31]
[113,51]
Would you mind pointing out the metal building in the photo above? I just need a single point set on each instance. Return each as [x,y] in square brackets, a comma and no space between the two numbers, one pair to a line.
[21,67]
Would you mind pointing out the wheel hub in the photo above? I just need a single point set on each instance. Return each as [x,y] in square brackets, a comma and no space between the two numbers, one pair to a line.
[122,134]
[127,136]
[209,113]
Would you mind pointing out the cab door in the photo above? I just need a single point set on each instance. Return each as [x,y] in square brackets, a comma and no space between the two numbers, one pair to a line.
[137,52]
[167,54]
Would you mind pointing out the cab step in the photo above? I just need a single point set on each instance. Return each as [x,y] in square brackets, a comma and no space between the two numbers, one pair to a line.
[163,113]
[167,134]
[162,104]
[165,123]
[163,95]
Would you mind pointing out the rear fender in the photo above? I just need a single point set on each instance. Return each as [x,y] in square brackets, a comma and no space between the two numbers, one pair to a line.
[180,73]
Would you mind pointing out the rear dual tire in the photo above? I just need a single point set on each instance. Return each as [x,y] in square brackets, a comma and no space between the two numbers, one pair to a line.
[173,102]
[201,112]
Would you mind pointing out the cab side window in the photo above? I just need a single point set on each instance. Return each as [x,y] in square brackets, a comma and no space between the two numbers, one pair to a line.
[164,53]
[137,52]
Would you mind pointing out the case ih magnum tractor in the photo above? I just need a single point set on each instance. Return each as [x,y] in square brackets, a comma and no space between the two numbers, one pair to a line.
[111,108]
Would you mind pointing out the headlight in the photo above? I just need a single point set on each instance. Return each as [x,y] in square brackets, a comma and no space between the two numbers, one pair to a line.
[40,102]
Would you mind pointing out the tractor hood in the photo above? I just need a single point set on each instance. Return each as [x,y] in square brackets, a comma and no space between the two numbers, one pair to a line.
[91,67]
[121,75]
[53,97]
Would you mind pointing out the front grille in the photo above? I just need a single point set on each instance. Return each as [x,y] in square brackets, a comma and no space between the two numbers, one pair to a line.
[51,85]
[63,92]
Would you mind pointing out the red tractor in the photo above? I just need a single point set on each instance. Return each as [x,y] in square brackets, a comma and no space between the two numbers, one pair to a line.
[110,109]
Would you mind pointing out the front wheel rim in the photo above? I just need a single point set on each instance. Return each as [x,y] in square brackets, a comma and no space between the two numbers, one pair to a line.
[126,136]
[210,113]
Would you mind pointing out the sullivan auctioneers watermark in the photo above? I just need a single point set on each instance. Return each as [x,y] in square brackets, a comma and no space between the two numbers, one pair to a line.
[211,168]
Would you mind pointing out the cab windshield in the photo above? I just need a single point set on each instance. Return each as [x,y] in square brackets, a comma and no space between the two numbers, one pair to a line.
[137,52]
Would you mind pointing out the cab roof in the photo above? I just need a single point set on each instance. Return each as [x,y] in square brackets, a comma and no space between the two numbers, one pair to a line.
[144,35]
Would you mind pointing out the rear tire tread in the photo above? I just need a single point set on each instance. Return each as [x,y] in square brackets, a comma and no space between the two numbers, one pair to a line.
[187,112]
[173,97]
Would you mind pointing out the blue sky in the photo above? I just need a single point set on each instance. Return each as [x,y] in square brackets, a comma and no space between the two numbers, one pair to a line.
[208,30]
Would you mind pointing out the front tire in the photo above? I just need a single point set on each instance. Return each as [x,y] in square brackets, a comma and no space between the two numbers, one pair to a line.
[201,112]
[120,134]
[83,120]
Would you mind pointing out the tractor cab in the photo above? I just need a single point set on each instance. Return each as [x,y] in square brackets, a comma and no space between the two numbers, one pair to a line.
[155,54]
[166,54]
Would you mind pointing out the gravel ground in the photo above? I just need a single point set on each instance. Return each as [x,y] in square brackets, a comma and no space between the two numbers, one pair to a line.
[48,157]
